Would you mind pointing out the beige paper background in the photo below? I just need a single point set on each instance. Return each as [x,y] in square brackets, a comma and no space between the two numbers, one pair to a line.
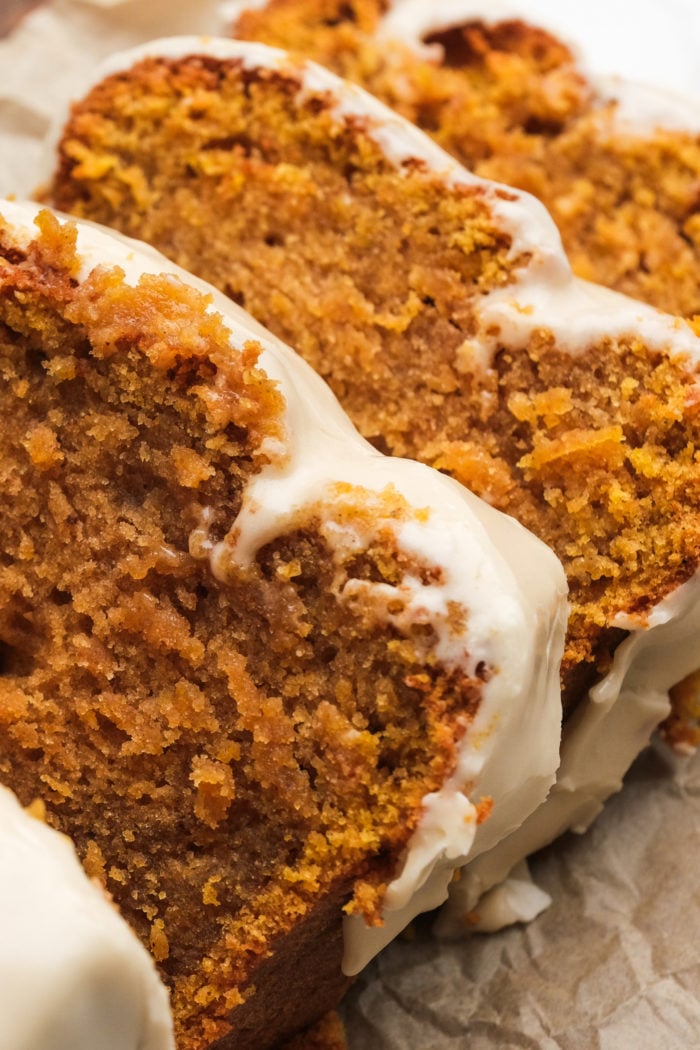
[614,964]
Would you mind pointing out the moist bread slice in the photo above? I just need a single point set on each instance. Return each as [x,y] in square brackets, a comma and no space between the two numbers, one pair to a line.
[272,684]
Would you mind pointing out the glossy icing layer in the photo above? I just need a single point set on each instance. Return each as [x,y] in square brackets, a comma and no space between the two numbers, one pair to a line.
[600,741]
[73,975]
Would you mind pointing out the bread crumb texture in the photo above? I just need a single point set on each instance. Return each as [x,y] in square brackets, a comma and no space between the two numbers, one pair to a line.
[226,755]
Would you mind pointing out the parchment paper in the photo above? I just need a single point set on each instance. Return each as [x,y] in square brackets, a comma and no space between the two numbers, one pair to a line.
[614,964]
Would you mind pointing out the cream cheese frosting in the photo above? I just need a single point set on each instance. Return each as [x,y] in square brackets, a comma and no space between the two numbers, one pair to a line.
[602,739]
[70,968]
[510,584]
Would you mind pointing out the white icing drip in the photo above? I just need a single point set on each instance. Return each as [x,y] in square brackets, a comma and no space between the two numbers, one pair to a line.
[578,313]
[412,600]
[601,739]
[641,109]
[459,544]
[511,585]
[493,763]
[516,899]
[73,974]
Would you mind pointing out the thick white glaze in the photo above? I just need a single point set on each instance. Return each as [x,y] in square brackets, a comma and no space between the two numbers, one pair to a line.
[601,740]
[516,899]
[641,109]
[73,976]
[579,314]
[511,585]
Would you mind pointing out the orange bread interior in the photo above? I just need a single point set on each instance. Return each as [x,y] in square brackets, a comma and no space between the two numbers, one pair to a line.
[237,759]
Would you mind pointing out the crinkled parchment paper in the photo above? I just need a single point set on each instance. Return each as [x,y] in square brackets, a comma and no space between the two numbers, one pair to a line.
[615,962]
